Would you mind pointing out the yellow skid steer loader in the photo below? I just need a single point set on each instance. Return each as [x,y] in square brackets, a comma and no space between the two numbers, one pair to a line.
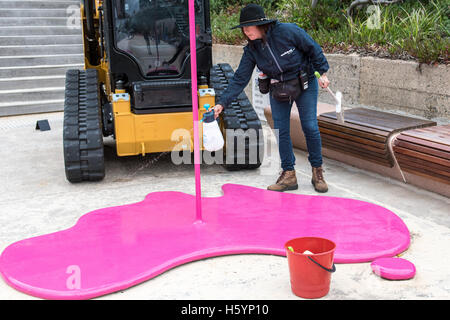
[136,87]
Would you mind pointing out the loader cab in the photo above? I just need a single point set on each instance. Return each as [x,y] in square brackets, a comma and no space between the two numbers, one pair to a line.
[148,51]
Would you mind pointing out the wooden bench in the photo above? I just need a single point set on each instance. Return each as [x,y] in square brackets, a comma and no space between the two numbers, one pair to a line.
[368,138]
[425,152]
[365,133]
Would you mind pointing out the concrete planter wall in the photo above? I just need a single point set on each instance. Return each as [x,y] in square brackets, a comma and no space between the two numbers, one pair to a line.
[389,85]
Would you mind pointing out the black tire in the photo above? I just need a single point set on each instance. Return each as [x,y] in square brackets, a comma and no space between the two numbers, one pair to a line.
[82,130]
[240,124]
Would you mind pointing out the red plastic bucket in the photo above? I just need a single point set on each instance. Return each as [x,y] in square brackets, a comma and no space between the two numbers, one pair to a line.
[310,273]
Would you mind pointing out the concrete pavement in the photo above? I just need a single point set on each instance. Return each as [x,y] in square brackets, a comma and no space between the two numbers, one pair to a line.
[37,199]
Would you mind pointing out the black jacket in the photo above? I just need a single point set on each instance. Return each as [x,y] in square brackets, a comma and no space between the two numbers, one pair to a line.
[288,49]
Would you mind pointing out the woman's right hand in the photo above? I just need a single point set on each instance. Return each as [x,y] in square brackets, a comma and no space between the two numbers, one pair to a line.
[217,110]
[323,81]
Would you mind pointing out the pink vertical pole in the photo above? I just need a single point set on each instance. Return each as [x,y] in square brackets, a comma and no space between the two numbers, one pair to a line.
[192,41]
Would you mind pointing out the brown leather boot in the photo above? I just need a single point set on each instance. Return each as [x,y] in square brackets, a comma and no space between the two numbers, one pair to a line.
[286,181]
[318,181]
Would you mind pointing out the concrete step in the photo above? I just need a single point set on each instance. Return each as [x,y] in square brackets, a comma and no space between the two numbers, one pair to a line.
[38,30]
[36,94]
[36,4]
[28,107]
[36,12]
[41,49]
[39,21]
[38,70]
[40,40]
[33,60]
[32,82]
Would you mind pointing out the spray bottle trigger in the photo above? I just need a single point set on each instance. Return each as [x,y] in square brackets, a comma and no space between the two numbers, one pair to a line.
[206,106]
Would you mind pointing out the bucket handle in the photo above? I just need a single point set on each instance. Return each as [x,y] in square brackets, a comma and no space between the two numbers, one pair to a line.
[333,268]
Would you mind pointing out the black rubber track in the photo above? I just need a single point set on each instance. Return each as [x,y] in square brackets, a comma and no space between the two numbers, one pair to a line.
[239,119]
[82,130]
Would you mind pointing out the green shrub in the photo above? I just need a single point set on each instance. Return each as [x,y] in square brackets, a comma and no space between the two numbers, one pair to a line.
[221,24]
[218,6]
[418,31]
[327,14]
[410,29]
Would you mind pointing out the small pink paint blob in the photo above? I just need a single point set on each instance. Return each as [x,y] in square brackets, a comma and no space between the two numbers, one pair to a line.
[393,268]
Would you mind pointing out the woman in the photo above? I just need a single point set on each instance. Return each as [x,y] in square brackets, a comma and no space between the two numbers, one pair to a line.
[281,50]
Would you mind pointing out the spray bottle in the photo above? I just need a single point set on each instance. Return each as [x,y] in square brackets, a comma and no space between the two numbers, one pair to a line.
[338,99]
[212,136]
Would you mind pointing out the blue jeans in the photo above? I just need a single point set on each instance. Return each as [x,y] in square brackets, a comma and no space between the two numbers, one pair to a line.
[307,109]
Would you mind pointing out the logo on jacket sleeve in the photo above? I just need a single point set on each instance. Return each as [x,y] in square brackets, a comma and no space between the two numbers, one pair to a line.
[287,52]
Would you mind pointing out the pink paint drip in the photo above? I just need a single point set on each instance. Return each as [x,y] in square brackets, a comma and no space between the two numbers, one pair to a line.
[118,247]
[192,40]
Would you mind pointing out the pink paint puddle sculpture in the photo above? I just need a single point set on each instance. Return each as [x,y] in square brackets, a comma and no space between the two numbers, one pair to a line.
[111,249]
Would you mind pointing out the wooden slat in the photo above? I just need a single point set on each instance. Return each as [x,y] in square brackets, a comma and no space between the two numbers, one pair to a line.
[364,156]
[423,149]
[338,145]
[353,138]
[354,126]
[438,134]
[423,156]
[430,166]
[426,174]
[350,130]
[357,145]
[422,168]
[380,120]
[348,120]
[426,143]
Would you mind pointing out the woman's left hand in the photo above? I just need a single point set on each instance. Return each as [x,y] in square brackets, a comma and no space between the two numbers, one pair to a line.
[323,81]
